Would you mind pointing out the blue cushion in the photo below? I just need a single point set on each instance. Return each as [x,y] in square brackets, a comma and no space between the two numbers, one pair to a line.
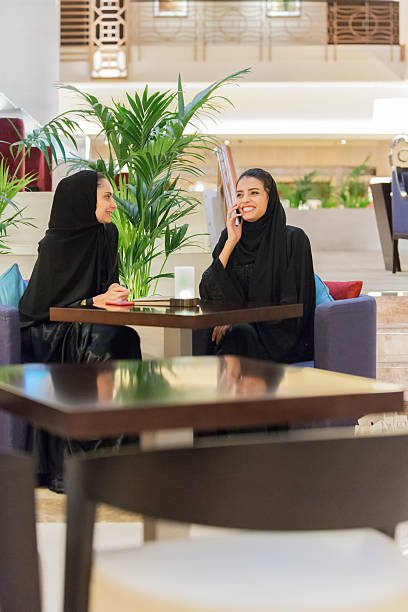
[12,286]
[322,291]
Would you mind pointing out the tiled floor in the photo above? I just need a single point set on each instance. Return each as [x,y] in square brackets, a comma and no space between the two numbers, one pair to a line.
[51,546]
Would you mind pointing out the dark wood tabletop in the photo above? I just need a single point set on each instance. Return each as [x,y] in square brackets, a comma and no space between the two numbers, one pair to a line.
[202,393]
[189,318]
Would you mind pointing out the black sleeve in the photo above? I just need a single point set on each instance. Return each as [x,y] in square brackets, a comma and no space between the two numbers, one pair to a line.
[292,339]
[216,284]
[112,241]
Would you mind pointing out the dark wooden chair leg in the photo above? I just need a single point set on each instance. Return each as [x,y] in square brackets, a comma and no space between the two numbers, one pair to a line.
[396,264]
[19,575]
[78,555]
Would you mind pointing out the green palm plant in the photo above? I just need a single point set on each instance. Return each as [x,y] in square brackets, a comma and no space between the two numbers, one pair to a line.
[10,185]
[147,138]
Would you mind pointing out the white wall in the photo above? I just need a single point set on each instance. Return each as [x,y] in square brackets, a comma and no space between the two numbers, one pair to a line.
[29,52]
[279,109]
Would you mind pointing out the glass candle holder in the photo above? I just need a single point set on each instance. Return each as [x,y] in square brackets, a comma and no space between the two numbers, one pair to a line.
[184,286]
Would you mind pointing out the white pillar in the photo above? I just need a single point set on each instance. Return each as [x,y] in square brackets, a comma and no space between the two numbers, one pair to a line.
[30,55]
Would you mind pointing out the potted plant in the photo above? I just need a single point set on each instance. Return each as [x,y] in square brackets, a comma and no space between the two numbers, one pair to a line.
[151,156]
[10,214]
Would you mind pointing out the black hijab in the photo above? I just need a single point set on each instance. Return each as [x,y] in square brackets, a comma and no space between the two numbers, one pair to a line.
[77,258]
[282,273]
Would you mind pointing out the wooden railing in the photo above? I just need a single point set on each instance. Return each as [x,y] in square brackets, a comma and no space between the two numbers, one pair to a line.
[75,19]
[208,23]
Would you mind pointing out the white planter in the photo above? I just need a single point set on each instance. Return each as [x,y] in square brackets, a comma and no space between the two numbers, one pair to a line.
[24,239]
[338,229]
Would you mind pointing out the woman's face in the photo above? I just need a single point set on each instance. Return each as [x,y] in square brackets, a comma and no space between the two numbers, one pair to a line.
[252,198]
[105,204]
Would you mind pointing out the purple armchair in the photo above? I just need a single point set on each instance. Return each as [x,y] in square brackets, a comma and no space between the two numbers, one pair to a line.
[13,430]
[345,337]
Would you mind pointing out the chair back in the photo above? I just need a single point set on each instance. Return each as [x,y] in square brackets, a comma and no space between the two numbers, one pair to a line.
[400,202]
[279,484]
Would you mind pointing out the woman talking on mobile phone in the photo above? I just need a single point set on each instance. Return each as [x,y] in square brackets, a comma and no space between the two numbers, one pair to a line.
[262,260]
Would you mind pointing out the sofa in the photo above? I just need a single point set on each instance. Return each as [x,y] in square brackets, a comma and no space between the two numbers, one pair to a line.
[344,337]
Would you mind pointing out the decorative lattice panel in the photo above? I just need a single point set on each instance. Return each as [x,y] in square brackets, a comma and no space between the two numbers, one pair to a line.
[363,22]
[108,38]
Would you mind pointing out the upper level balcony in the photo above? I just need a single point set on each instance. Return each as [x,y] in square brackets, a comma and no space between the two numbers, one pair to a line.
[115,36]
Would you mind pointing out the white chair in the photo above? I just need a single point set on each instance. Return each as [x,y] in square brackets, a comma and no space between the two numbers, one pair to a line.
[320,505]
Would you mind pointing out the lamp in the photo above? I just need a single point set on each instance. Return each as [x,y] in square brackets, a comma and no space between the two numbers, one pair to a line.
[184,287]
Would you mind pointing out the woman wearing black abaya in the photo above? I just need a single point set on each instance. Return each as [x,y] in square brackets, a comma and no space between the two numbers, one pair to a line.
[262,260]
[76,265]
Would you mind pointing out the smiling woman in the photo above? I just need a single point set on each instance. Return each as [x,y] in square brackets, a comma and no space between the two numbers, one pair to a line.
[105,204]
[262,260]
[76,265]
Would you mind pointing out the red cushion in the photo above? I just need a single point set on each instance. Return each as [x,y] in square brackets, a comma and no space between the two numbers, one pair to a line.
[343,290]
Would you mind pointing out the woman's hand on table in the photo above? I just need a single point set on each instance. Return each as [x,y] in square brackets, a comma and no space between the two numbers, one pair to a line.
[115,293]
[219,332]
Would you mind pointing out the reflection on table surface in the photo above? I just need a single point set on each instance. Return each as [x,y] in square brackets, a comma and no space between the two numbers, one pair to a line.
[181,381]
[202,309]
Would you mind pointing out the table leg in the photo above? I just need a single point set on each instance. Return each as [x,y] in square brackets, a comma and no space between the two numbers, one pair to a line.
[172,438]
[177,342]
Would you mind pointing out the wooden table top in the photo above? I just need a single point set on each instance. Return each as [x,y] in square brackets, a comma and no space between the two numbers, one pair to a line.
[188,318]
[202,393]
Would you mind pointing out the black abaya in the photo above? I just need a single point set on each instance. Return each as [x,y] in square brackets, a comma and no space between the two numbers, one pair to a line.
[271,264]
[77,259]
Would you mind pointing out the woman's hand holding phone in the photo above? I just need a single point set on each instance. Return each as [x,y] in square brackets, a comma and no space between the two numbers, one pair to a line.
[234,234]
[234,227]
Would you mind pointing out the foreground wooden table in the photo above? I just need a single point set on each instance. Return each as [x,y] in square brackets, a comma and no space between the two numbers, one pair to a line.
[199,393]
[166,400]
[178,323]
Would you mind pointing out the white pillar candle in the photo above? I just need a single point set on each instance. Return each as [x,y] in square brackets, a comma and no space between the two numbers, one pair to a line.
[184,287]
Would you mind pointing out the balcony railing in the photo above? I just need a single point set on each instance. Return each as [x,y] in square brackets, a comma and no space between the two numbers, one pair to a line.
[203,24]
[361,22]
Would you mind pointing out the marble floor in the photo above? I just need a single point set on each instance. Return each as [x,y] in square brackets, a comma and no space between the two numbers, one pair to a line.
[120,529]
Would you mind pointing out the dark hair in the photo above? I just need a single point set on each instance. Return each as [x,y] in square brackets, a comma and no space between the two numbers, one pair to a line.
[262,175]
[100,177]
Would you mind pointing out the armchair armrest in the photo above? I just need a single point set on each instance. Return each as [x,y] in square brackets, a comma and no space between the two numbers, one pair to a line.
[10,341]
[345,336]
[13,430]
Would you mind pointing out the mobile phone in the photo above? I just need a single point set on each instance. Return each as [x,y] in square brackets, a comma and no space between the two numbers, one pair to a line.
[237,220]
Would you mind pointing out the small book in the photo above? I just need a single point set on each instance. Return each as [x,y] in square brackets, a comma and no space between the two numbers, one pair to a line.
[119,303]
[152,300]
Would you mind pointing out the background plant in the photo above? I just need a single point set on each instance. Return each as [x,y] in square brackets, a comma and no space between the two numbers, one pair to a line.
[353,192]
[299,191]
[147,139]
[10,214]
